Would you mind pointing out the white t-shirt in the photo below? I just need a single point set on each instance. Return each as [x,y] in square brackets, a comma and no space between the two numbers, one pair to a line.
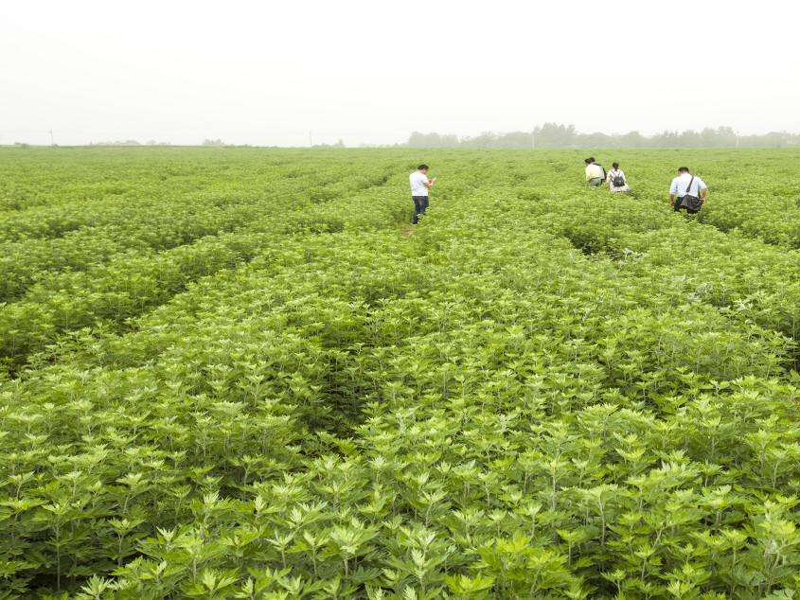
[418,181]
[680,186]
[616,173]
[594,171]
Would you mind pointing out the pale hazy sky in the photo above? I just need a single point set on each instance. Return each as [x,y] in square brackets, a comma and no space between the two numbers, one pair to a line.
[269,72]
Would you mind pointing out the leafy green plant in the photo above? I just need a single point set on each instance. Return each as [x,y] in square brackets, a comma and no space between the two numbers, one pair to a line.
[539,391]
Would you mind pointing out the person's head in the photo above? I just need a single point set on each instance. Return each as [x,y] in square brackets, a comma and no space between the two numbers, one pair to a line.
[683,170]
[615,165]
[423,168]
[589,160]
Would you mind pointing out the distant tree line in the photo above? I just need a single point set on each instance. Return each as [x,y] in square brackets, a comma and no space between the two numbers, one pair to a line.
[553,135]
[338,144]
[116,143]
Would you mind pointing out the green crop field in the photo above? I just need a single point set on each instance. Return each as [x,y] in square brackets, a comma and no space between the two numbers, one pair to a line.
[241,373]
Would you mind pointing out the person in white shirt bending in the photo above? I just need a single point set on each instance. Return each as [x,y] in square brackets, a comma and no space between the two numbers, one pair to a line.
[595,174]
[687,192]
[617,182]
[420,187]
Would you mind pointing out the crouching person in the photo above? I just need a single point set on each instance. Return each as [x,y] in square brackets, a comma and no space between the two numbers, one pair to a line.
[687,192]
[617,182]
[595,174]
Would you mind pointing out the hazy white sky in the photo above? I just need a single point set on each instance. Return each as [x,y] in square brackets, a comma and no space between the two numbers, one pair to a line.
[372,71]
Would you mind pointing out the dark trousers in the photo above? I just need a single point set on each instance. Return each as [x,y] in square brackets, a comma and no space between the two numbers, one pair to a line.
[420,206]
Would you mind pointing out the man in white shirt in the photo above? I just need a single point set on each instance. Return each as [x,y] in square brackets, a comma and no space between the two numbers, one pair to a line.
[420,186]
[595,174]
[687,192]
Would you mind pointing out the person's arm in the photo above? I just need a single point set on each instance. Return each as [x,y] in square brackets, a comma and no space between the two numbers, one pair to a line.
[429,182]
[673,190]
[703,190]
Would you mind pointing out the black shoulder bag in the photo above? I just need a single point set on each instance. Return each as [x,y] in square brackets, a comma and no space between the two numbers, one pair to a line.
[690,202]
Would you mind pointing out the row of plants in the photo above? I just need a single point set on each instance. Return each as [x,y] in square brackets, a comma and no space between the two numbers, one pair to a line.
[536,392]
[150,228]
[748,279]
[92,178]
[477,409]
[84,206]
[24,263]
[108,293]
[363,211]
[755,195]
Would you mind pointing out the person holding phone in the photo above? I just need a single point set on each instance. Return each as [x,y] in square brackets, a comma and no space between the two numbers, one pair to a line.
[420,189]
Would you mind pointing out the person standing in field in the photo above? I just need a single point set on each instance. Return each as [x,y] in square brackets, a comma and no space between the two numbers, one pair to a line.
[595,174]
[617,182]
[420,188]
[687,192]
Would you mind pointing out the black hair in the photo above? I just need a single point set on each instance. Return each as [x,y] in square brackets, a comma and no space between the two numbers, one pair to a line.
[422,167]
[589,160]
[683,170]
[615,165]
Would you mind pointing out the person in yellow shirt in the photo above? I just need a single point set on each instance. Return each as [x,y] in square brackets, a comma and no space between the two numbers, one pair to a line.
[595,174]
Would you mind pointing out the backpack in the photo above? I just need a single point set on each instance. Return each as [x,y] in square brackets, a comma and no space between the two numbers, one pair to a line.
[689,202]
[618,181]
